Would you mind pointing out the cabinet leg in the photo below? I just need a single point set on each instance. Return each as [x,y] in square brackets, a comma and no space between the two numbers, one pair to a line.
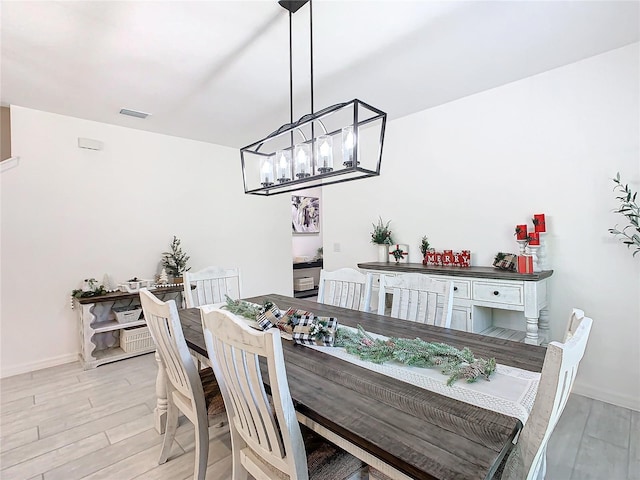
[87,318]
[532,331]
[543,324]
[160,412]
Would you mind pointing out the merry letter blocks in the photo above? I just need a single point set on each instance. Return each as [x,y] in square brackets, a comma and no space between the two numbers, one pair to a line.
[447,258]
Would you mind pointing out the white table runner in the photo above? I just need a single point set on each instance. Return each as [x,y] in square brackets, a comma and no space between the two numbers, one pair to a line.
[510,391]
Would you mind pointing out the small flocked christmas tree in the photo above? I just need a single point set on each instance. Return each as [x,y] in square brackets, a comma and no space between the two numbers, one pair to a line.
[176,260]
[164,278]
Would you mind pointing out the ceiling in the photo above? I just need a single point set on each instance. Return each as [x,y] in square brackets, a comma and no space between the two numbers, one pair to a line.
[217,71]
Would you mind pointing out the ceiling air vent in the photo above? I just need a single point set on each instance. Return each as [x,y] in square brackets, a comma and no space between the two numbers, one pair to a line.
[134,113]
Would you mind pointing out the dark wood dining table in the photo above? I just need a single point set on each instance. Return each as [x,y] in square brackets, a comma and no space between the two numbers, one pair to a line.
[404,430]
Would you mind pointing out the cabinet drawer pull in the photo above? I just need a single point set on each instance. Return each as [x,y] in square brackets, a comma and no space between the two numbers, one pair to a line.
[455,289]
[496,292]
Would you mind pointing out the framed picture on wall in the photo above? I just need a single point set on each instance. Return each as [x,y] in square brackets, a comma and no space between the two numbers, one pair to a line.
[305,214]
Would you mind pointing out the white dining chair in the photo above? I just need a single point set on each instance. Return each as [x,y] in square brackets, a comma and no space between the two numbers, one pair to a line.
[212,284]
[193,392]
[418,298]
[347,288]
[266,439]
[527,459]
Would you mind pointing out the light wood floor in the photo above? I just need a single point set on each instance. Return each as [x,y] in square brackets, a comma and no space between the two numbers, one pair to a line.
[65,423]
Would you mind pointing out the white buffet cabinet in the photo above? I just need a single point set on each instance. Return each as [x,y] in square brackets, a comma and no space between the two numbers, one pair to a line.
[478,291]
[100,329]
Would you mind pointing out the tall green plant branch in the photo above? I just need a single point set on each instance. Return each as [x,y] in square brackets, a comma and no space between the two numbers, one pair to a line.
[630,234]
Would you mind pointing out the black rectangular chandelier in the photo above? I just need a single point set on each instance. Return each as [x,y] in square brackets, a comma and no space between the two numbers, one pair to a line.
[339,143]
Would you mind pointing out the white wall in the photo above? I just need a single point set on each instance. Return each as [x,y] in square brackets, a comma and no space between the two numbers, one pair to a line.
[69,214]
[467,172]
[463,173]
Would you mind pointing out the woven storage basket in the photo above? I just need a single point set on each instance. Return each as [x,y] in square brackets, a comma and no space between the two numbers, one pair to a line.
[127,314]
[304,283]
[134,339]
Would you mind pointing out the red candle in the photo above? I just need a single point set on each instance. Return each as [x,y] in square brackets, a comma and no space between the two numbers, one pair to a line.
[539,223]
[534,238]
[521,232]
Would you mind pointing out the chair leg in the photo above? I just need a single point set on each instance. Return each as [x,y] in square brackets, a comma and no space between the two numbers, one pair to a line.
[238,471]
[202,450]
[169,432]
[543,466]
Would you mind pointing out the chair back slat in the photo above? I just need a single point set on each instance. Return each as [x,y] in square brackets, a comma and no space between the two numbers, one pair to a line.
[212,285]
[269,429]
[346,288]
[417,298]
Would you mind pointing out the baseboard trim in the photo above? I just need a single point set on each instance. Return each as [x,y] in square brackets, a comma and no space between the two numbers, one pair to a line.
[39,365]
[608,397]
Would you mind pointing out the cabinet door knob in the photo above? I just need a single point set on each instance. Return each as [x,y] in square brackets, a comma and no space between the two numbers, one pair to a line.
[455,289]
[496,292]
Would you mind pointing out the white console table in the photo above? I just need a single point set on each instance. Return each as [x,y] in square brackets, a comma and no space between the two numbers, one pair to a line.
[480,290]
[100,331]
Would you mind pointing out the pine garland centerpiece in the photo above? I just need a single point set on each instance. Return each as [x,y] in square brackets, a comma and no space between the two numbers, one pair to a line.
[246,309]
[458,364]
[415,352]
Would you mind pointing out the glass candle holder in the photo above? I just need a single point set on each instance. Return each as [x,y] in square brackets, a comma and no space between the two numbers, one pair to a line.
[266,171]
[283,166]
[348,146]
[302,157]
[324,153]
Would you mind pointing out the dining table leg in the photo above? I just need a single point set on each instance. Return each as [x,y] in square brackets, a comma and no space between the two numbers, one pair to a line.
[160,412]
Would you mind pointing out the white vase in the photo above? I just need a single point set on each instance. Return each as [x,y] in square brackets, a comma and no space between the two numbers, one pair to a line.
[383,253]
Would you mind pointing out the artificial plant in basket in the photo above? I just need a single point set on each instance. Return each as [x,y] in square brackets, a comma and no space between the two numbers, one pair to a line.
[175,261]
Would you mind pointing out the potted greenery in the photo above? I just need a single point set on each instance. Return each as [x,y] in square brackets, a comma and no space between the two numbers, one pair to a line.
[382,237]
[424,245]
[629,208]
[175,261]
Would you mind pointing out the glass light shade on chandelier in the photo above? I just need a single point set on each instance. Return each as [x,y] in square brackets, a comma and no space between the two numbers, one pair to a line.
[283,166]
[302,156]
[324,154]
[348,146]
[266,171]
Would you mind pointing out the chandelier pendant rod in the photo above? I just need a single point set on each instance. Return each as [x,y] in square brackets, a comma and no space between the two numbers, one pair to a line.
[311,52]
[313,133]
[291,72]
